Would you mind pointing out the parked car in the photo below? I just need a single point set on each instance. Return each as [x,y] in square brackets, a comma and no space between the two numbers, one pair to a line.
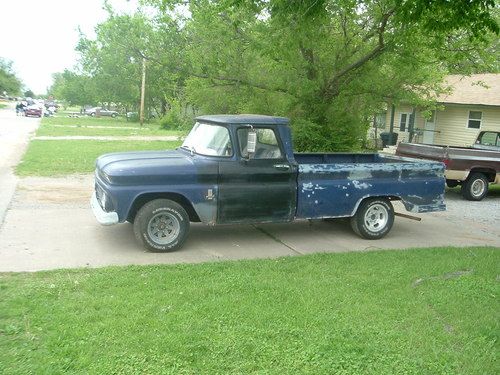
[473,168]
[52,105]
[98,111]
[33,110]
[241,169]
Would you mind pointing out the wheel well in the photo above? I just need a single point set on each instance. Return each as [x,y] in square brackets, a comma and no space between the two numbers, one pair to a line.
[386,197]
[141,200]
[489,173]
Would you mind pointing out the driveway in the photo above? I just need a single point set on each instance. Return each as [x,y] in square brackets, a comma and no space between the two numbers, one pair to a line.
[49,225]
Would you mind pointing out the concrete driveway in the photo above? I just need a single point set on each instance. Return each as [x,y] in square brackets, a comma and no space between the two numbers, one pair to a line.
[49,225]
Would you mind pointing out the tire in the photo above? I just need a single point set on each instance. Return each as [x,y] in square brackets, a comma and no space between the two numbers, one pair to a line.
[153,222]
[92,114]
[475,187]
[373,219]
[113,115]
[452,183]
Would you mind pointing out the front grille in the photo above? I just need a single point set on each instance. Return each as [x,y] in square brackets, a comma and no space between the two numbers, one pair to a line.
[99,192]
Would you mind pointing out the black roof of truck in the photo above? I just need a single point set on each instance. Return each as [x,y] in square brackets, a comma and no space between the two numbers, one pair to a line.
[244,119]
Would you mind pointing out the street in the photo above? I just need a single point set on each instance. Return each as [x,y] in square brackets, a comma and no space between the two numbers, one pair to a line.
[14,134]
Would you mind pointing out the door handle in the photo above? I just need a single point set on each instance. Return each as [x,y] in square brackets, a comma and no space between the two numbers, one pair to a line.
[282,167]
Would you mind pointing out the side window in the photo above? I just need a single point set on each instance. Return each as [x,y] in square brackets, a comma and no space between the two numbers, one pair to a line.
[475,118]
[267,145]
[490,139]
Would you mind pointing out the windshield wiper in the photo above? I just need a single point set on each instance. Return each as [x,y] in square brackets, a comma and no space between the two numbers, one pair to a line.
[190,148]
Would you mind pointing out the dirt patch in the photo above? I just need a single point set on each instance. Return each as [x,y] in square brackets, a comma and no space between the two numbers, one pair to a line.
[75,189]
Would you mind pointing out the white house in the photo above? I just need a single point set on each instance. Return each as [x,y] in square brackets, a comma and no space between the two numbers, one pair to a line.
[473,105]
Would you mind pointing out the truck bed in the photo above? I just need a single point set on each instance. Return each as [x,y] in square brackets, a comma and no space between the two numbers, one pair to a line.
[333,185]
[439,152]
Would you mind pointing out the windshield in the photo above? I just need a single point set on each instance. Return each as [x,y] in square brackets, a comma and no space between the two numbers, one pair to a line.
[208,139]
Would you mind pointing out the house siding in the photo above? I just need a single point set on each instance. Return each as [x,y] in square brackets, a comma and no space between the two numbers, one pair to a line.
[403,136]
[451,124]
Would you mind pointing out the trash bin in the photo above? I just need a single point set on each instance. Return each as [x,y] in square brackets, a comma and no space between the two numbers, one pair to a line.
[389,139]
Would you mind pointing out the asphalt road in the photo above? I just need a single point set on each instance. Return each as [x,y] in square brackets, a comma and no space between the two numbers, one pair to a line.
[49,225]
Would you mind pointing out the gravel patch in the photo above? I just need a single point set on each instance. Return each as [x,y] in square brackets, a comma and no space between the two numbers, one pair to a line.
[486,211]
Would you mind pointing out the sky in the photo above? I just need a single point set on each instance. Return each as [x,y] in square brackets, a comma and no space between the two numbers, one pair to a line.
[40,36]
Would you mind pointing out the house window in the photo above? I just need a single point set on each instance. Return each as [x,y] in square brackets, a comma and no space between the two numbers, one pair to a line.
[475,118]
[404,122]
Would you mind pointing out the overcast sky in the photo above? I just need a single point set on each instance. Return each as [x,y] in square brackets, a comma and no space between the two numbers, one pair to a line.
[40,36]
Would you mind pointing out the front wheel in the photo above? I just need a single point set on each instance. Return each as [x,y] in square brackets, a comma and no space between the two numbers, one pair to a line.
[476,187]
[373,219]
[161,225]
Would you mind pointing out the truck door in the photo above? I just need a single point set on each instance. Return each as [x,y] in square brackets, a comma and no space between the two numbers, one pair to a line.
[260,187]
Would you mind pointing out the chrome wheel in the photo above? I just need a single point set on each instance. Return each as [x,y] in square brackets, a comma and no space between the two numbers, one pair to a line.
[477,188]
[163,228]
[376,218]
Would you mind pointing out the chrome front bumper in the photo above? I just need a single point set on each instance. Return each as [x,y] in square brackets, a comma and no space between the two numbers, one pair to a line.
[103,217]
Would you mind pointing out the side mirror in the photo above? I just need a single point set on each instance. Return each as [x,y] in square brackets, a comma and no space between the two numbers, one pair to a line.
[251,142]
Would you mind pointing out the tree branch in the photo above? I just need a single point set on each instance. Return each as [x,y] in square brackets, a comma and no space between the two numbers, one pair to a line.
[331,88]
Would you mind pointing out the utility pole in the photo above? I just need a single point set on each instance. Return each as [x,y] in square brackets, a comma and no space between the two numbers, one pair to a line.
[143,89]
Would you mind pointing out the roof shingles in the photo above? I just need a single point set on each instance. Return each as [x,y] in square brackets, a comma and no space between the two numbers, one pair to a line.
[479,89]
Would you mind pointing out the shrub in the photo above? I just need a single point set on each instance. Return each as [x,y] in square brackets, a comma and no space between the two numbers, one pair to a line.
[174,119]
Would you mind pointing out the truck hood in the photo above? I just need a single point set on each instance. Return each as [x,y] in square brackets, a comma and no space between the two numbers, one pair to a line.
[146,167]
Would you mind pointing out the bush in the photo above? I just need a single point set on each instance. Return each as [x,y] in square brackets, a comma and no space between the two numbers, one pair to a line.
[174,120]
[133,117]
[328,137]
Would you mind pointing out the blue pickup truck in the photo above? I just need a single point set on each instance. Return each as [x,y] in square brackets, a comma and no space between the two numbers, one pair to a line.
[240,169]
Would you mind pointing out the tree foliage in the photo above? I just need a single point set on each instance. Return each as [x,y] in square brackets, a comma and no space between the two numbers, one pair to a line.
[76,89]
[329,65]
[9,82]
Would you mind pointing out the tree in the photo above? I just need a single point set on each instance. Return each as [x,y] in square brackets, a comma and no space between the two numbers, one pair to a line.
[9,82]
[77,89]
[114,58]
[329,65]
[29,94]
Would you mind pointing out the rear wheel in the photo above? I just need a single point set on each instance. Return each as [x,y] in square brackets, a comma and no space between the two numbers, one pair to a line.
[373,219]
[476,187]
[161,225]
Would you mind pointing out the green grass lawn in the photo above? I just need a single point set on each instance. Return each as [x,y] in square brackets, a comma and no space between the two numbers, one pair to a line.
[88,120]
[61,126]
[426,311]
[52,158]
[3,105]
